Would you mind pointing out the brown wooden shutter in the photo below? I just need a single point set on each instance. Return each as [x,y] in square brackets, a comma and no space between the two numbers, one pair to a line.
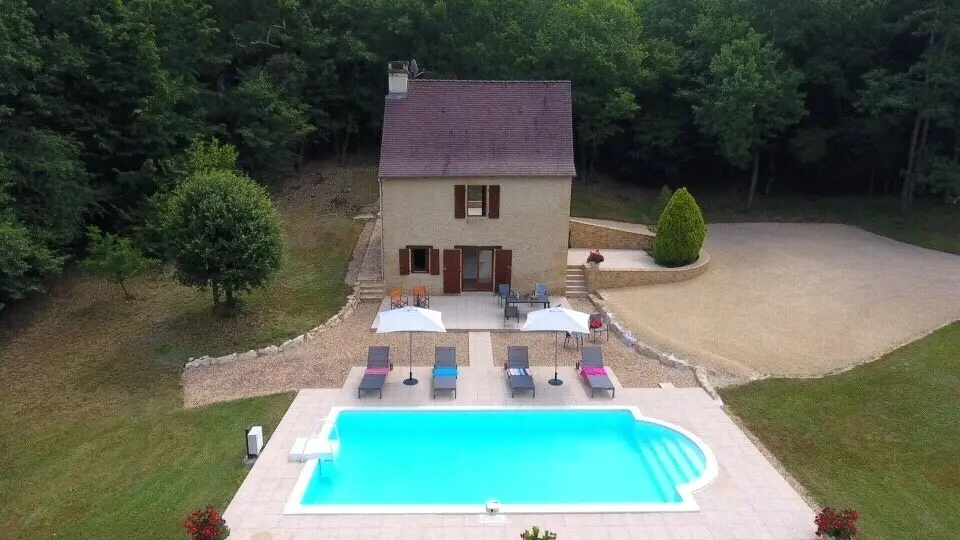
[493,202]
[460,201]
[434,262]
[404,261]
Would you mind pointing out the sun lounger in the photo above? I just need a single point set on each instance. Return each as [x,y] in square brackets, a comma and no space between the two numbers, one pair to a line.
[518,371]
[593,371]
[445,370]
[378,366]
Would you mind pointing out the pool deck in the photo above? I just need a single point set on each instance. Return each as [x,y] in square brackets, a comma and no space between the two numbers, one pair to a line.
[749,499]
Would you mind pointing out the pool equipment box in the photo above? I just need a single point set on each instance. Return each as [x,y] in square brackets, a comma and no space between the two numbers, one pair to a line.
[254,441]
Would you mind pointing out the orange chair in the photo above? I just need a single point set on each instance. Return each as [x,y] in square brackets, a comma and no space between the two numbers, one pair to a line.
[421,297]
[397,299]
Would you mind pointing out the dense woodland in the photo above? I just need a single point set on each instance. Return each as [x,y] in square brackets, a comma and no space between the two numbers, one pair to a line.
[98,98]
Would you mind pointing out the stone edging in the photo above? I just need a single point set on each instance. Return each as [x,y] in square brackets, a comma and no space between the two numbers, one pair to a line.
[668,359]
[271,350]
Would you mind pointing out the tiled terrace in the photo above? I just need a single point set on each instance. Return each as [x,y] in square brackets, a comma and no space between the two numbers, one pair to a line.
[476,311]
[748,500]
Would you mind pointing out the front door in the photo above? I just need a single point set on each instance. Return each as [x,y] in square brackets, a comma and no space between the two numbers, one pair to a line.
[451,271]
[477,268]
[502,264]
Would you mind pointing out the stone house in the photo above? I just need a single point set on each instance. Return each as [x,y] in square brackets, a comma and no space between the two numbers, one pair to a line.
[475,183]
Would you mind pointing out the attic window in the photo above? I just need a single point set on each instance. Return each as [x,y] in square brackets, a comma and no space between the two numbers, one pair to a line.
[476,200]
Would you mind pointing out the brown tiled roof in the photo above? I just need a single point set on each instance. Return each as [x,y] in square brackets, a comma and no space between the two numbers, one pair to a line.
[478,128]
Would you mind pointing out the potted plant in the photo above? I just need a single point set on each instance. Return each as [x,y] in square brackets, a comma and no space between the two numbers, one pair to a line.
[206,524]
[594,258]
[536,534]
[835,524]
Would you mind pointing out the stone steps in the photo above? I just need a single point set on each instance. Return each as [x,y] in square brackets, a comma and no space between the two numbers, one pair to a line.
[576,281]
[369,290]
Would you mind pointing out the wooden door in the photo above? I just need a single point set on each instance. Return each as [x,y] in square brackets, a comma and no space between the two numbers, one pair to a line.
[451,271]
[502,264]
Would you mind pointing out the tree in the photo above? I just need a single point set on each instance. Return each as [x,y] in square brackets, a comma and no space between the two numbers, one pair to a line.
[224,233]
[114,258]
[748,97]
[24,262]
[680,231]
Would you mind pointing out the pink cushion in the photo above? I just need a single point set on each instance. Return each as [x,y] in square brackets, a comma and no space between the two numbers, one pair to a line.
[593,371]
[376,371]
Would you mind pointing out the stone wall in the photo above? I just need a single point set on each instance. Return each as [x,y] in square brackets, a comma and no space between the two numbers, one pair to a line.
[600,277]
[594,236]
[271,350]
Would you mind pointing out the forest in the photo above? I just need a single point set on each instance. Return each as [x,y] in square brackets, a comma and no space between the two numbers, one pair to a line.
[100,98]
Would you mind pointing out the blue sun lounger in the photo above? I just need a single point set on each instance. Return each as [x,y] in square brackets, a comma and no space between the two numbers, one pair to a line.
[445,370]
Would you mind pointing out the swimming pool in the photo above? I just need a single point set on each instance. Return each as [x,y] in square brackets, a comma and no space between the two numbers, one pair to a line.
[537,460]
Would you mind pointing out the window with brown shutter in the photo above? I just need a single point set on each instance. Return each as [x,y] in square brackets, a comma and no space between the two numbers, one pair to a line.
[404,261]
[493,202]
[460,202]
[434,262]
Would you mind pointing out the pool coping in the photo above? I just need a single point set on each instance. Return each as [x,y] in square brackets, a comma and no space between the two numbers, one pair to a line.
[687,502]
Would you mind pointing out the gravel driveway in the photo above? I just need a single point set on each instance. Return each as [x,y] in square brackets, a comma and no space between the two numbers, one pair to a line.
[796,299]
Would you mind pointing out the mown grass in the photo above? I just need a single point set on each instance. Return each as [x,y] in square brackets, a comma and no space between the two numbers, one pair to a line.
[929,224]
[882,438]
[94,439]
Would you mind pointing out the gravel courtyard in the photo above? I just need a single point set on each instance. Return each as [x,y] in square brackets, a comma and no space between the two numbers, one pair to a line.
[795,299]
[326,361]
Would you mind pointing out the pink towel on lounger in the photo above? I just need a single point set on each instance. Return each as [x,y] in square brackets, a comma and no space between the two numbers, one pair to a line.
[376,371]
[593,371]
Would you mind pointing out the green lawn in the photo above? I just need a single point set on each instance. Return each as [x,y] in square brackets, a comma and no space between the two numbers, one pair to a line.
[883,438]
[929,224]
[95,443]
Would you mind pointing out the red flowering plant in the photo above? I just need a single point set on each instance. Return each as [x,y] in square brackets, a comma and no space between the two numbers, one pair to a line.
[536,534]
[595,257]
[206,524]
[835,524]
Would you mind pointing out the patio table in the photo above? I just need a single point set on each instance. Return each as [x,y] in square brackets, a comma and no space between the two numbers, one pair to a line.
[527,299]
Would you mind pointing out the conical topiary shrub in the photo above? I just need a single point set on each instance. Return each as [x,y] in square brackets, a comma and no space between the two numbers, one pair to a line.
[680,231]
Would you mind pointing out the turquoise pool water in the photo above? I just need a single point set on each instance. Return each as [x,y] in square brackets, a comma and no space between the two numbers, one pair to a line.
[528,457]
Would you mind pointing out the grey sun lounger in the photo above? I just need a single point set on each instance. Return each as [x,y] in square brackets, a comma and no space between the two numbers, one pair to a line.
[375,376]
[592,357]
[518,358]
[445,359]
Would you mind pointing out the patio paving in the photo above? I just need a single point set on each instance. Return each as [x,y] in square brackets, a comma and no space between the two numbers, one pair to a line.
[748,500]
[475,311]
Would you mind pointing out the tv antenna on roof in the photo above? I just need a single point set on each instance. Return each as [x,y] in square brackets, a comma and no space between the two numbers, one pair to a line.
[415,72]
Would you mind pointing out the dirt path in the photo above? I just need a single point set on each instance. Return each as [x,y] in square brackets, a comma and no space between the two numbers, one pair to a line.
[796,299]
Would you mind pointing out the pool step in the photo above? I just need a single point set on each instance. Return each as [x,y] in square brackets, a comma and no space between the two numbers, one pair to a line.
[670,463]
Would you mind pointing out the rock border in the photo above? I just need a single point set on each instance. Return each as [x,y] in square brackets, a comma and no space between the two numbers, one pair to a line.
[626,336]
[270,350]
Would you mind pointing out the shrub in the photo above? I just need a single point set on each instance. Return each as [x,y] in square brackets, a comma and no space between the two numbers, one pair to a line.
[835,524]
[595,257]
[114,258]
[536,534]
[206,524]
[680,231]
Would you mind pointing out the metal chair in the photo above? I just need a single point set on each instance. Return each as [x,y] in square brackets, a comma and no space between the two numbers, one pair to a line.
[421,297]
[503,291]
[397,299]
[604,327]
[511,311]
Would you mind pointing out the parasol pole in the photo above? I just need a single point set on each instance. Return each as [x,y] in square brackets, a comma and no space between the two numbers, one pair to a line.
[555,381]
[411,381]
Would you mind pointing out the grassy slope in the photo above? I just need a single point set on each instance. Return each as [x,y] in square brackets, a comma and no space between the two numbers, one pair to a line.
[94,440]
[928,224]
[882,438]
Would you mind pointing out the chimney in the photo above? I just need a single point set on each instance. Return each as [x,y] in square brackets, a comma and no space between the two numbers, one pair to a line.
[397,74]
